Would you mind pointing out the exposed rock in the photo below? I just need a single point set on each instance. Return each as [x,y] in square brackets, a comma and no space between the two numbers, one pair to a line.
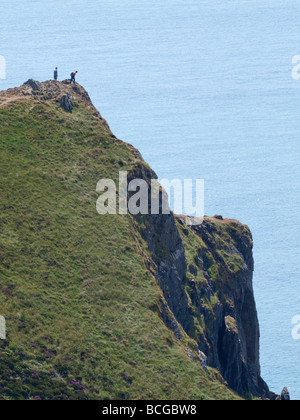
[169,320]
[36,86]
[285,395]
[62,92]
[165,244]
[66,102]
[193,270]
[202,359]
[231,343]
[190,354]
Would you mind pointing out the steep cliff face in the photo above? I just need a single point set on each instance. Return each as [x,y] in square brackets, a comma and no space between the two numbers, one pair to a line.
[107,289]
[221,292]
[206,274]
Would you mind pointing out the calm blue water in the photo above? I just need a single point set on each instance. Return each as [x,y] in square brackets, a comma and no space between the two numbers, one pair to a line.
[204,89]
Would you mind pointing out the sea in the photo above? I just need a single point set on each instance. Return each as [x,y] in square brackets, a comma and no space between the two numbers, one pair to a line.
[205,89]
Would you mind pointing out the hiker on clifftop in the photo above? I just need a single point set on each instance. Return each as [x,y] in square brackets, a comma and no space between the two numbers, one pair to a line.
[73,75]
[55,73]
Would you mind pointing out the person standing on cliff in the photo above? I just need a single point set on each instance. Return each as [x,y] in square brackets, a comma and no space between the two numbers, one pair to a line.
[73,75]
[55,73]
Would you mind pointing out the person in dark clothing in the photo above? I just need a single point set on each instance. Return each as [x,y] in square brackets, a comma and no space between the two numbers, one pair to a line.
[73,75]
[55,73]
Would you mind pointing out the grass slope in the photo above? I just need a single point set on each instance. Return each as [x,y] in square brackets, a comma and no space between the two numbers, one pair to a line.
[80,304]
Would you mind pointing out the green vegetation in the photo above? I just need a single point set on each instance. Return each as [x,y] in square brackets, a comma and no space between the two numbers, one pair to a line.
[81,306]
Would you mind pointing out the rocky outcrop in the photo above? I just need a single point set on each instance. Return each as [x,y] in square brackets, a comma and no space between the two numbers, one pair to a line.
[62,92]
[232,342]
[205,273]
[34,85]
[167,250]
[211,298]
[285,395]
[66,103]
